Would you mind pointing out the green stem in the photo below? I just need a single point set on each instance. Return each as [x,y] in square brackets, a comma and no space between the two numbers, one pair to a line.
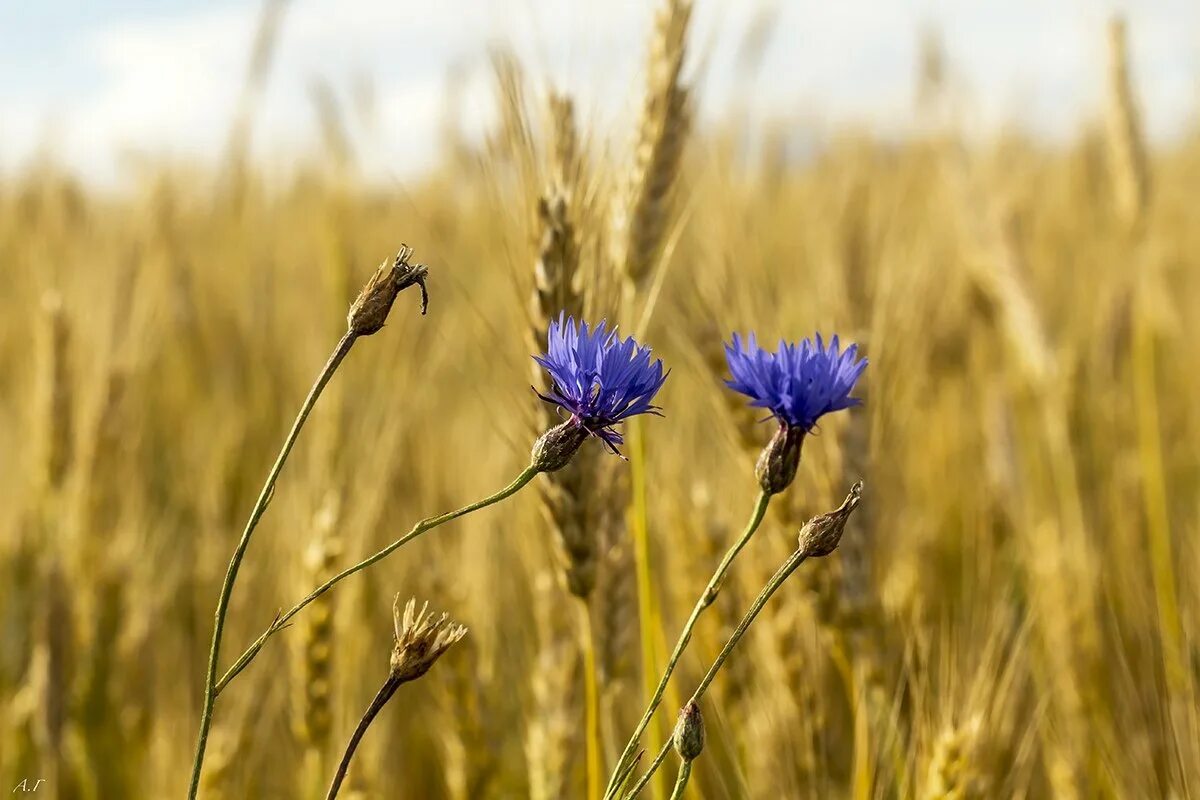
[794,560]
[706,599]
[685,772]
[421,527]
[381,698]
[658,760]
[260,507]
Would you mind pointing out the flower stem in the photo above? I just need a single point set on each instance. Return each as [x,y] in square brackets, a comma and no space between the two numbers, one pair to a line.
[794,560]
[641,784]
[706,599]
[421,527]
[385,693]
[260,507]
[681,782]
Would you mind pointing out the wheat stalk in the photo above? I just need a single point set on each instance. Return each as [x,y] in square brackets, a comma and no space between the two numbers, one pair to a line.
[554,733]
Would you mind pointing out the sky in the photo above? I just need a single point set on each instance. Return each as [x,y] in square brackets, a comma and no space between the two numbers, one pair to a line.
[92,83]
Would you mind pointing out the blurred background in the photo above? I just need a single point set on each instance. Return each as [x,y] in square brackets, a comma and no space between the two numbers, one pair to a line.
[996,201]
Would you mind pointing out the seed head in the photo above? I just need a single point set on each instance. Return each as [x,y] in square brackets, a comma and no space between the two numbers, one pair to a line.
[820,535]
[689,732]
[370,309]
[420,640]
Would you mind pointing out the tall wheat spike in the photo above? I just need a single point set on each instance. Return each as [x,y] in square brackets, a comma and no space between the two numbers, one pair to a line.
[57,640]
[557,291]
[642,213]
[314,707]
[1127,150]
[58,399]
[1060,559]
[564,493]
[951,775]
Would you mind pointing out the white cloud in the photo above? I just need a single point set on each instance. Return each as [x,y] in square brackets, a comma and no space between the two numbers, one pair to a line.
[170,83]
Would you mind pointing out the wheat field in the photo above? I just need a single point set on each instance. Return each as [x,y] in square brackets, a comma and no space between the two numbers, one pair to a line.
[1012,611]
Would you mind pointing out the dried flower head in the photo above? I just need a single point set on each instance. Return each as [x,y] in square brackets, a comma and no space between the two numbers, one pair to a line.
[821,534]
[421,639]
[798,384]
[600,379]
[370,309]
[689,732]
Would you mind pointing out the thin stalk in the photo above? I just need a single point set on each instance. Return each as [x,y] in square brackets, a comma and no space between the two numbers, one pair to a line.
[706,599]
[1154,494]
[260,507]
[794,560]
[639,527]
[623,776]
[658,760]
[681,782]
[591,693]
[425,525]
[385,693]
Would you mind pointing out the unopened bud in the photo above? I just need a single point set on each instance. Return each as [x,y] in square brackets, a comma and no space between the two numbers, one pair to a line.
[820,535]
[776,468]
[370,309]
[554,448]
[689,732]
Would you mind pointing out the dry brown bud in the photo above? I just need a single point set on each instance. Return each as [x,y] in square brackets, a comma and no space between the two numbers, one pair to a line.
[820,535]
[370,309]
[421,639]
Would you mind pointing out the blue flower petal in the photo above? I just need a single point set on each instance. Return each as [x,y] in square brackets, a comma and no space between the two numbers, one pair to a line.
[599,378]
[798,383]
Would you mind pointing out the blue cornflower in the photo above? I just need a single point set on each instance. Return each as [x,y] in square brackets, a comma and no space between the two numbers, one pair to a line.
[599,378]
[798,384]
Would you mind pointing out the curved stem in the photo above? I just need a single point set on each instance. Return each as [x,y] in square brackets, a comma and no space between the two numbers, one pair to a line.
[385,693]
[654,765]
[260,507]
[794,560]
[681,782]
[421,527]
[706,599]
